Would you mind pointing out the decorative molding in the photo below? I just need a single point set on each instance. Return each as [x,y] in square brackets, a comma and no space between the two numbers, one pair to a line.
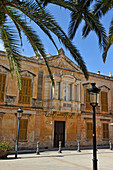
[2,112]
[4,69]
[10,99]
[27,73]
[59,114]
[105,120]
[104,87]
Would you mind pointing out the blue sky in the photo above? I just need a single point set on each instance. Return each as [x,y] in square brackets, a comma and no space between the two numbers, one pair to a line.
[88,47]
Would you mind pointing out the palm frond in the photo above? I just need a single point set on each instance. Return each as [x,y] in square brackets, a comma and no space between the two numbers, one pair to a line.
[31,35]
[19,32]
[47,20]
[109,41]
[12,49]
[94,24]
[76,19]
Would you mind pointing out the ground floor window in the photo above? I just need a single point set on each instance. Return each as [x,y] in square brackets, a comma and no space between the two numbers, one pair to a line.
[89,130]
[105,131]
[23,129]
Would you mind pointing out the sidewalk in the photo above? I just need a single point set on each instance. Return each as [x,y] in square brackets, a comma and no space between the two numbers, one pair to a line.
[52,160]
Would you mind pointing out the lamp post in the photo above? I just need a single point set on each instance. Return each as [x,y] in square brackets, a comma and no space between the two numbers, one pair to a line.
[93,95]
[19,115]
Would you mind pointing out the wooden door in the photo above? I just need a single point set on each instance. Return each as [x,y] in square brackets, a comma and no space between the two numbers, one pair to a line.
[59,133]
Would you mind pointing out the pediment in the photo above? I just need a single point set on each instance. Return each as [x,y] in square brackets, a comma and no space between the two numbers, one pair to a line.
[27,73]
[104,87]
[4,69]
[64,62]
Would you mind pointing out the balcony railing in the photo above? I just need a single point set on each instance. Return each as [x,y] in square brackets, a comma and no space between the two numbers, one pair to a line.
[61,105]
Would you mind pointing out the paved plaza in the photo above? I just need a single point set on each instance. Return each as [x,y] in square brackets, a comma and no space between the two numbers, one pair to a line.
[52,160]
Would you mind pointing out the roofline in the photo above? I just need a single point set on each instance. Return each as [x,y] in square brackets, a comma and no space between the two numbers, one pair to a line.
[56,56]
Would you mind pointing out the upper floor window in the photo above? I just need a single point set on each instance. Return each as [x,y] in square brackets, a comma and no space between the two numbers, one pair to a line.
[87,101]
[89,130]
[23,129]
[105,131]
[67,91]
[25,93]
[57,90]
[40,85]
[104,101]
[76,92]
[2,86]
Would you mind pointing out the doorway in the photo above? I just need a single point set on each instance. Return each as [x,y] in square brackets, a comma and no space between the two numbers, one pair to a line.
[59,133]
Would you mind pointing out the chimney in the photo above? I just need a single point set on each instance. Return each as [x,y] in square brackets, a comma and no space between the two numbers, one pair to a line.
[110,74]
[98,72]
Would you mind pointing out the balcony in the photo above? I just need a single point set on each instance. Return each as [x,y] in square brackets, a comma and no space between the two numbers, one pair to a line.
[61,105]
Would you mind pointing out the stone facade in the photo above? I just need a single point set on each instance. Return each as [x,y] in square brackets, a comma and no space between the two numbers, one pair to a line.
[58,113]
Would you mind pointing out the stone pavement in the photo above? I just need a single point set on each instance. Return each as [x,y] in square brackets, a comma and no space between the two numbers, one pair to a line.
[52,160]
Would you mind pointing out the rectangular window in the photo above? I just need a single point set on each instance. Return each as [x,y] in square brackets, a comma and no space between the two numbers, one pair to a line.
[70,92]
[64,91]
[89,130]
[104,101]
[77,93]
[67,92]
[25,93]
[87,101]
[40,85]
[2,86]
[105,131]
[57,90]
[51,93]
[23,129]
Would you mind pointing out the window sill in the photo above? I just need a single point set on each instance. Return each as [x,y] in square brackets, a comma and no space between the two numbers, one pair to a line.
[22,141]
[105,139]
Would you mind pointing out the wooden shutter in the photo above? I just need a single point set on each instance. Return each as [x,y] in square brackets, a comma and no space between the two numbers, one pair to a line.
[23,129]
[87,102]
[25,93]
[89,130]
[105,131]
[104,101]
[40,85]
[2,86]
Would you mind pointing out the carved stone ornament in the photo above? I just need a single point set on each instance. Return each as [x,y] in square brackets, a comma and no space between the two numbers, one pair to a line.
[60,62]
[10,99]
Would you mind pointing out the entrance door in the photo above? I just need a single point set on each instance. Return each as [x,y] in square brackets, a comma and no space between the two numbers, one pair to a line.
[59,133]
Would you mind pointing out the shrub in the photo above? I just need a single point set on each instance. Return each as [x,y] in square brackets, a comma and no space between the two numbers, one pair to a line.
[4,146]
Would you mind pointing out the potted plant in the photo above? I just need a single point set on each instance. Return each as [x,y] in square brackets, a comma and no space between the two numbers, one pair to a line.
[5,149]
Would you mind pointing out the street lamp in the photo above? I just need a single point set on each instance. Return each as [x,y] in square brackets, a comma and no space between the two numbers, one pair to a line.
[19,115]
[93,96]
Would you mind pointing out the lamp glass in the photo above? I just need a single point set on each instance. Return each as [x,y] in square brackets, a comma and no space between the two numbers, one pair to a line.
[19,114]
[93,98]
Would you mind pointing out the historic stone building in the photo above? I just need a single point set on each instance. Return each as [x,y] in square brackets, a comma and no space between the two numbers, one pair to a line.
[51,114]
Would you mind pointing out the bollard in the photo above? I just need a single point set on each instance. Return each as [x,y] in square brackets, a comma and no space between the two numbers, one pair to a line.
[60,150]
[78,150]
[110,145]
[37,150]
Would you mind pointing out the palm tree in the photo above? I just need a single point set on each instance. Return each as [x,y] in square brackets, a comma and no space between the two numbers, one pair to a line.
[15,16]
[81,11]
[101,8]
